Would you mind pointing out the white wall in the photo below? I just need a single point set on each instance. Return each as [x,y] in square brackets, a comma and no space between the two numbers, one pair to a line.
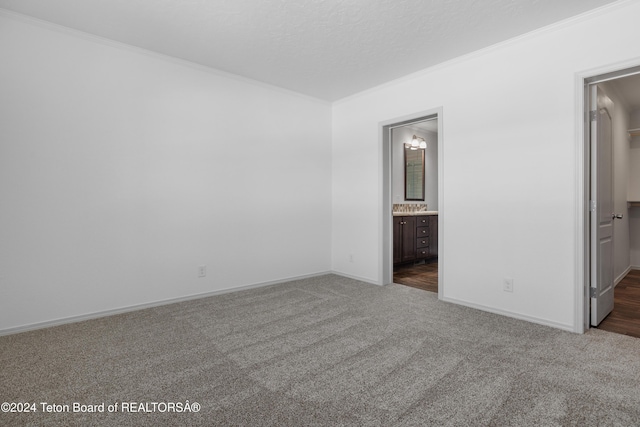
[634,238]
[510,153]
[620,126]
[401,135]
[634,158]
[634,190]
[121,171]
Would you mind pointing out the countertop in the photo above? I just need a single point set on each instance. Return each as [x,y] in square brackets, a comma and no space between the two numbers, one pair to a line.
[419,213]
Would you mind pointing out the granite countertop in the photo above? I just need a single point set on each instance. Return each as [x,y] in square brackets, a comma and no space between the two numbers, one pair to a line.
[417,213]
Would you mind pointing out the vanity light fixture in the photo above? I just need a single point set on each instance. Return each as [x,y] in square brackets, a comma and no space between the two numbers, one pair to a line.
[415,143]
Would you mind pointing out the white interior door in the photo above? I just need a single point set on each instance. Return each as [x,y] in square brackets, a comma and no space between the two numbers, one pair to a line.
[602,216]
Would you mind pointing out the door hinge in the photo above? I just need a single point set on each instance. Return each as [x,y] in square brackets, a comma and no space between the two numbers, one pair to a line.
[593,292]
[593,115]
[592,205]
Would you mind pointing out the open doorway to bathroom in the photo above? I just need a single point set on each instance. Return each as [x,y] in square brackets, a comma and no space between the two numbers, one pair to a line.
[414,192]
[387,169]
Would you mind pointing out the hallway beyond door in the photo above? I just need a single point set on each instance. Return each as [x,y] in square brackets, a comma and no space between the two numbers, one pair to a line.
[625,317]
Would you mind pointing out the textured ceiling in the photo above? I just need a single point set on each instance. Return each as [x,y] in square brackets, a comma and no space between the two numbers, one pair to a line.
[328,49]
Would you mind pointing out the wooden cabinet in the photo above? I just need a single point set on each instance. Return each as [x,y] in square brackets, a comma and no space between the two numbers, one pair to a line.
[404,238]
[415,238]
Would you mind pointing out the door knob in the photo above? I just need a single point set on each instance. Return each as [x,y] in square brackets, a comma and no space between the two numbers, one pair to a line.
[616,216]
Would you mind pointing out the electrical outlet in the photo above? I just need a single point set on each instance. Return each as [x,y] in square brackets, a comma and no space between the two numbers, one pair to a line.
[507,284]
[202,270]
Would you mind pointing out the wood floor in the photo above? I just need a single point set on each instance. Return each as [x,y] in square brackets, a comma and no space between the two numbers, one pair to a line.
[421,276]
[625,317]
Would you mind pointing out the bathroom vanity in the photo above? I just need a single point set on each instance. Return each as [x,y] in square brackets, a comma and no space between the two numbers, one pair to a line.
[415,236]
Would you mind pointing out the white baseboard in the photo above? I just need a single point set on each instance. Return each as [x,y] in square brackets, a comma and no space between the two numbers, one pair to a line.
[537,320]
[621,276]
[105,313]
[351,276]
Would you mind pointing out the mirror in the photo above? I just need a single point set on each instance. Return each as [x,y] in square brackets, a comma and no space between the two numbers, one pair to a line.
[414,174]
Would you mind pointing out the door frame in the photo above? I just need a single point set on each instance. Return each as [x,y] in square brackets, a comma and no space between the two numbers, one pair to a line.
[386,202]
[583,81]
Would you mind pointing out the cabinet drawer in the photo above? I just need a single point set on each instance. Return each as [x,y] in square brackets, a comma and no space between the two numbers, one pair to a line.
[422,231]
[422,242]
[422,221]
[422,253]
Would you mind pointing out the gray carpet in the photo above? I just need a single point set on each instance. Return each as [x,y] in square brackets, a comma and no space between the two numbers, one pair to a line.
[326,351]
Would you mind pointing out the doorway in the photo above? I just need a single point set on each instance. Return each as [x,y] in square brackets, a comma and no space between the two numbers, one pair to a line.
[422,260]
[611,221]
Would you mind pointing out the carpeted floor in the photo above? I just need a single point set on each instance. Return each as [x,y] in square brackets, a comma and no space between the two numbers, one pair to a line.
[323,351]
